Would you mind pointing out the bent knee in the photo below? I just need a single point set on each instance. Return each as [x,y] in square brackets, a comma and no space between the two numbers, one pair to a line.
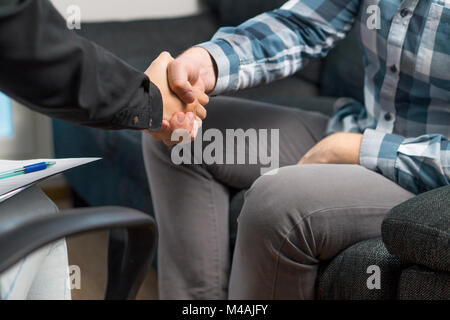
[272,206]
[277,203]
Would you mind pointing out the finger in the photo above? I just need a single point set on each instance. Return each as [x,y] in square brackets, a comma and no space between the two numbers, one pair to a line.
[165,57]
[169,142]
[163,132]
[161,62]
[198,110]
[180,77]
[182,121]
[197,125]
[201,96]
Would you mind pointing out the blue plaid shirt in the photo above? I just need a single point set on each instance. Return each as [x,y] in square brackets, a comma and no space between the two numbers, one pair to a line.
[405,117]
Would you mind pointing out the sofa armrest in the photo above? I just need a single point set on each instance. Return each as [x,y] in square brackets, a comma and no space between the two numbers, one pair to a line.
[418,230]
[131,247]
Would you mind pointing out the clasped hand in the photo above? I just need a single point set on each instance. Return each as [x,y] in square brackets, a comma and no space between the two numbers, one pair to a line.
[176,113]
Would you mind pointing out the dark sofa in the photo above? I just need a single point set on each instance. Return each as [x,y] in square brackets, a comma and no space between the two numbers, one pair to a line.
[405,274]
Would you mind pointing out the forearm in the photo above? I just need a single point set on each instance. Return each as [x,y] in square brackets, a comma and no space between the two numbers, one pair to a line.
[276,44]
[51,70]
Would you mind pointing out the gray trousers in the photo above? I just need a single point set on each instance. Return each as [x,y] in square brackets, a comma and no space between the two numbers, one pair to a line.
[290,222]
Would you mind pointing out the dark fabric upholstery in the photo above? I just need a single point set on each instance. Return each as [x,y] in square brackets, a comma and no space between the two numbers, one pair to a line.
[419,283]
[234,12]
[346,276]
[140,42]
[418,230]
[343,70]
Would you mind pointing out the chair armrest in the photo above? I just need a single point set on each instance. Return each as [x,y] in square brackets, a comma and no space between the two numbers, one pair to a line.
[134,254]
[418,230]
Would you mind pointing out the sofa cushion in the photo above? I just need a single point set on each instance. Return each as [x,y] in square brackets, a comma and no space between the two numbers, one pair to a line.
[419,283]
[347,275]
[234,12]
[343,70]
[140,42]
[418,230]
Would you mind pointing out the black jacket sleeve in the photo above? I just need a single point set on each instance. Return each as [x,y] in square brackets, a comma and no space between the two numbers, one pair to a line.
[52,70]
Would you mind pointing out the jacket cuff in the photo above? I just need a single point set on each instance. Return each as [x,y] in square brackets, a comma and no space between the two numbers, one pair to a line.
[156,107]
[379,152]
[145,110]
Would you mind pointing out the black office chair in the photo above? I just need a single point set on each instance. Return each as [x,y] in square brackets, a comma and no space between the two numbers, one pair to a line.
[132,242]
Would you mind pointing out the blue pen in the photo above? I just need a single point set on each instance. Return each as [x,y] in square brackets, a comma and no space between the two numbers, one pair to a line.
[26,169]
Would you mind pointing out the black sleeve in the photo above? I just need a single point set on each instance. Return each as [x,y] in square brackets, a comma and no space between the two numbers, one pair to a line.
[52,70]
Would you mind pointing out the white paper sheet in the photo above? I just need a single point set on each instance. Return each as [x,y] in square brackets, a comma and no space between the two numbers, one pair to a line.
[11,186]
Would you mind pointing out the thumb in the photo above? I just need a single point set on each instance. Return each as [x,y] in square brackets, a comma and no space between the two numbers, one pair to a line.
[180,77]
[165,57]
[160,63]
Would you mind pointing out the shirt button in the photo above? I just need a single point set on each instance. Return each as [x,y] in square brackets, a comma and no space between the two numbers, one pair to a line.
[404,12]
[393,68]
[388,117]
[136,120]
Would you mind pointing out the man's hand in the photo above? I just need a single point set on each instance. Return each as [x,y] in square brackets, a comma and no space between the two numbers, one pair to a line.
[192,75]
[338,148]
[187,122]
[176,114]
[157,72]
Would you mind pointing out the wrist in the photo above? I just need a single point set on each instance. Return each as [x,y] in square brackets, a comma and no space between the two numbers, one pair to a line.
[207,64]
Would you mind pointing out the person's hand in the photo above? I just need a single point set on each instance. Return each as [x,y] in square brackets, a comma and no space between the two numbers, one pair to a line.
[176,114]
[180,121]
[338,148]
[192,75]
[157,72]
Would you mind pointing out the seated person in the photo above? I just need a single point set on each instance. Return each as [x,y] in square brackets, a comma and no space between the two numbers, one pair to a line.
[339,176]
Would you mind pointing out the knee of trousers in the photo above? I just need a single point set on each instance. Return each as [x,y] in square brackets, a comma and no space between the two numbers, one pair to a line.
[274,217]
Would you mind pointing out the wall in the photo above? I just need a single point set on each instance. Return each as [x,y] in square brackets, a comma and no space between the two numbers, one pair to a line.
[107,10]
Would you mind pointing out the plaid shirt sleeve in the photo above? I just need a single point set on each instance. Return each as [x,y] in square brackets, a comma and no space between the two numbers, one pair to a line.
[416,164]
[276,44]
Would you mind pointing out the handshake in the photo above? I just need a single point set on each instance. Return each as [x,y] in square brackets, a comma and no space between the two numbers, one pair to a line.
[184,83]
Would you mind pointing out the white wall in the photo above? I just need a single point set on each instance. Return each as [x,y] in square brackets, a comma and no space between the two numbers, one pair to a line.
[117,10]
